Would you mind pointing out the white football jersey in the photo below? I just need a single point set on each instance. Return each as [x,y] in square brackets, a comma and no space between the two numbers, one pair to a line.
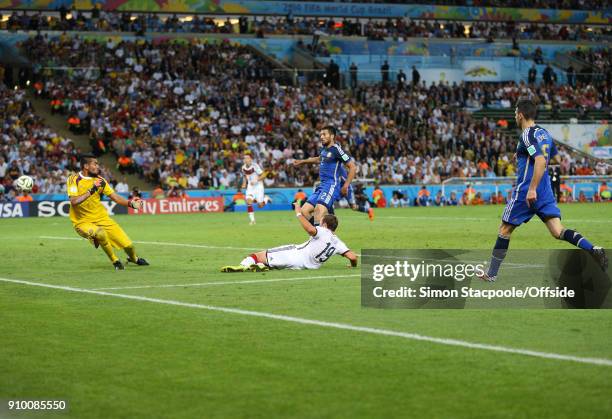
[252,174]
[320,247]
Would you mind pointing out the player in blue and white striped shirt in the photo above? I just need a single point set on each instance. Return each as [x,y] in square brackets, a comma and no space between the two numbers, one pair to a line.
[331,158]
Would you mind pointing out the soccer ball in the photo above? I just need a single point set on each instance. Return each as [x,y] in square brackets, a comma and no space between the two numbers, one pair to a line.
[25,183]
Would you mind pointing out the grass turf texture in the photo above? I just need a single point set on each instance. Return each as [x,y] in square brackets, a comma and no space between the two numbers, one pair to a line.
[120,358]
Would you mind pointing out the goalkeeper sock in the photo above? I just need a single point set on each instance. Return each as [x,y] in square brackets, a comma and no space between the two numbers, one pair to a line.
[499,253]
[131,252]
[102,238]
[576,239]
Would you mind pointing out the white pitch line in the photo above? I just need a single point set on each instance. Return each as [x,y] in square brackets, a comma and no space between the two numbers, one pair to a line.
[204,284]
[198,246]
[332,325]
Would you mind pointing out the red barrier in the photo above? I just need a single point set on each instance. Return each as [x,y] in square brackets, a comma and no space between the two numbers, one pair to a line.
[179,206]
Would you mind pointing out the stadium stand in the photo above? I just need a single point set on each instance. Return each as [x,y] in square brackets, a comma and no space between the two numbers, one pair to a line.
[540,4]
[287,25]
[29,147]
[181,114]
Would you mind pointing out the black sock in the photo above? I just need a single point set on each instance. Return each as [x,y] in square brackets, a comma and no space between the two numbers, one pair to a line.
[499,253]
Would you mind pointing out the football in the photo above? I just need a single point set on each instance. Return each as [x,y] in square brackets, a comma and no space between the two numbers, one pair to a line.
[25,183]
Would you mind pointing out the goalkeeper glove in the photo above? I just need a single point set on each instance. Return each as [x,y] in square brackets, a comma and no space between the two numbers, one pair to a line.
[135,203]
[102,183]
[99,184]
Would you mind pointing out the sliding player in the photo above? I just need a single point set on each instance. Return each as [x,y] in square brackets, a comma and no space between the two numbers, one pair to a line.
[322,245]
[90,218]
[252,180]
[533,194]
[331,159]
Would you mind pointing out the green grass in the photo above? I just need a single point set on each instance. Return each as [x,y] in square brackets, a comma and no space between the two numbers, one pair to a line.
[112,357]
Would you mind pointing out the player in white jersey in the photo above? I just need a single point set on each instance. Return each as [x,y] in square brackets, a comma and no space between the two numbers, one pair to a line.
[252,180]
[322,245]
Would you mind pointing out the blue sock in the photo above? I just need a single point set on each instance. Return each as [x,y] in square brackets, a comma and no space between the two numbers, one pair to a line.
[499,253]
[576,239]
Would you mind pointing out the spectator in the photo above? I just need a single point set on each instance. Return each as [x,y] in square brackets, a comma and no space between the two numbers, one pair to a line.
[299,197]
[353,72]
[24,197]
[440,199]
[158,192]
[384,73]
[533,72]
[135,193]
[416,76]
[378,197]
[401,79]
[548,75]
[571,76]
[122,186]
[423,199]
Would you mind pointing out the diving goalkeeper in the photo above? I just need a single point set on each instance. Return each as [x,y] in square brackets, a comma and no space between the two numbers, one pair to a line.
[90,218]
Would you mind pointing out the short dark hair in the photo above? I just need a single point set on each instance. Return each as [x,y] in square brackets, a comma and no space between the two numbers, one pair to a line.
[331,222]
[331,129]
[527,107]
[86,158]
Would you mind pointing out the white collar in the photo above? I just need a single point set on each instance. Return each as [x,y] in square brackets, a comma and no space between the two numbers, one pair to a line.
[84,177]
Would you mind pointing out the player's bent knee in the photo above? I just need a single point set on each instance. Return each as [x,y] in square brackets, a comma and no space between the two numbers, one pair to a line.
[100,234]
[505,230]
[558,233]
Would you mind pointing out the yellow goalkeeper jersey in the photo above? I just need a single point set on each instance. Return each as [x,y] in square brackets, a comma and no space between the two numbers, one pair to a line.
[91,209]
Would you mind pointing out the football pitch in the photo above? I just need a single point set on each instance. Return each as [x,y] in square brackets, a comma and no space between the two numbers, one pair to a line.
[179,339]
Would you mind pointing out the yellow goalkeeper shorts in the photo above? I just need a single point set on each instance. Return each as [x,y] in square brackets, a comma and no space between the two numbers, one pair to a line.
[115,234]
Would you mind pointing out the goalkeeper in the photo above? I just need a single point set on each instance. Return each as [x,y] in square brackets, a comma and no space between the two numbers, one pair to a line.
[90,218]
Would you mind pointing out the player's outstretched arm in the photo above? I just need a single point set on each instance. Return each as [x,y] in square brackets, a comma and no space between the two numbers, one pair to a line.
[309,228]
[352,257]
[311,160]
[135,203]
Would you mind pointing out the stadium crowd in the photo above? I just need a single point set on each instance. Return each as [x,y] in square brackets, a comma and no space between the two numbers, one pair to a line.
[103,21]
[181,115]
[600,58]
[29,147]
[540,4]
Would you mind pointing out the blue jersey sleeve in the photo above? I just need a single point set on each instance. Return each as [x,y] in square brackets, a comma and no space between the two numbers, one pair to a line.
[339,154]
[553,150]
[531,143]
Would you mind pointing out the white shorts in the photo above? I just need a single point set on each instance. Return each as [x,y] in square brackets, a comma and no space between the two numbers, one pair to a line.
[285,257]
[256,193]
